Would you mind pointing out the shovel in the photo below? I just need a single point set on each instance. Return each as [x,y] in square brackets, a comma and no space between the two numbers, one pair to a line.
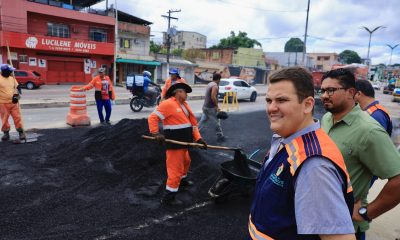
[239,160]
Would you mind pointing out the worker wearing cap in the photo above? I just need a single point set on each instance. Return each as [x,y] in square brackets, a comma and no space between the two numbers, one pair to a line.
[9,103]
[175,78]
[303,190]
[179,123]
[104,93]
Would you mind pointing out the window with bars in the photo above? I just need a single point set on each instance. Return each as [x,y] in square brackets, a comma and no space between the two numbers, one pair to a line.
[58,30]
[23,58]
[125,43]
[98,35]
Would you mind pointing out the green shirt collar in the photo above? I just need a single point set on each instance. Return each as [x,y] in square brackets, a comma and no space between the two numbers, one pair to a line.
[348,118]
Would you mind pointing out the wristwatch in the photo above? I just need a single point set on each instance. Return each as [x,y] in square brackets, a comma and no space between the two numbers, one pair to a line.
[363,211]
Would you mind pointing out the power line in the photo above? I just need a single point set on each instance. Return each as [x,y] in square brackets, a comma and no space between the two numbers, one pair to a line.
[329,40]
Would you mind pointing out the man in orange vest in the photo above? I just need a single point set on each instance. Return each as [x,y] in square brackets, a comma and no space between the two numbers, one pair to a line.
[365,96]
[104,93]
[303,190]
[175,78]
[179,123]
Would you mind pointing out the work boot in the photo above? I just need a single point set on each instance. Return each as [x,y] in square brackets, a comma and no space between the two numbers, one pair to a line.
[169,198]
[186,183]
[22,135]
[6,136]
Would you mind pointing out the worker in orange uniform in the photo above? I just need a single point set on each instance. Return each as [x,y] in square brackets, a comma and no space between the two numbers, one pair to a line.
[175,78]
[179,123]
[104,93]
[9,103]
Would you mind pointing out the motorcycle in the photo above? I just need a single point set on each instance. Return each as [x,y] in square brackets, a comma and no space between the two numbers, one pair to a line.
[139,100]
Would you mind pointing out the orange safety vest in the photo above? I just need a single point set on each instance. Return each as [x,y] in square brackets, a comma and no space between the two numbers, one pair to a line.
[98,86]
[179,122]
[376,107]
[167,85]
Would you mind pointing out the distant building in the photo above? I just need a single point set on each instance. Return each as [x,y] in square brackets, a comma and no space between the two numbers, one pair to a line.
[324,61]
[133,46]
[290,59]
[186,40]
[64,41]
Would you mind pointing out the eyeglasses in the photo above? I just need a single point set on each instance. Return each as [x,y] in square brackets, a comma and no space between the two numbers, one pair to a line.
[330,90]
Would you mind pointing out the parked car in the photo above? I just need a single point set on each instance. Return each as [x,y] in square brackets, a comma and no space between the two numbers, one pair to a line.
[376,85]
[28,79]
[242,88]
[396,95]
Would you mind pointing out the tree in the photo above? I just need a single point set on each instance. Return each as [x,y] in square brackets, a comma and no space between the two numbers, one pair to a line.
[349,56]
[236,41]
[154,47]
[294,45]
[177,52]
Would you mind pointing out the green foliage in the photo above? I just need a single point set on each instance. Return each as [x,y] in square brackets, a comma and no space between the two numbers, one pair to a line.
[177,52]
[236,41]
[294,45]
[154,47]
[193,54]
[349,56]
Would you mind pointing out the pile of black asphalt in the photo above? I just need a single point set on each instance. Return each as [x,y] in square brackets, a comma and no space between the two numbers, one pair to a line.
[106,183]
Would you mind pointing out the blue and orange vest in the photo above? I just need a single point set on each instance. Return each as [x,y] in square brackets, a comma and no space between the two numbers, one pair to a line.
[272,214]
[377,107]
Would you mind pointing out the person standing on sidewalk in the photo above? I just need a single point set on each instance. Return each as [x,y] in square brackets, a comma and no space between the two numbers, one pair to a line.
[366,147]
[303,190]
[210,107]
[174,78]
[9,104]
[104,93]
[180,124]
[365,96]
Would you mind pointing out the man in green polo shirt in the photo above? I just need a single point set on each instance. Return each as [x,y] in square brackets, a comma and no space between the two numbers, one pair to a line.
[366,147]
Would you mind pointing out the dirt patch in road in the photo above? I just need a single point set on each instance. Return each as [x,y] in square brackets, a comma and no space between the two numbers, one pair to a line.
[106,183]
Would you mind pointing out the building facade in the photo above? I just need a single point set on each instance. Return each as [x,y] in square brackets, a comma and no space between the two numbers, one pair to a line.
[60,41]
[186,40]
[324,61]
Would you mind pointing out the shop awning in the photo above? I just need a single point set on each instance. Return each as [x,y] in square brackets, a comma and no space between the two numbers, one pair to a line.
[141,62]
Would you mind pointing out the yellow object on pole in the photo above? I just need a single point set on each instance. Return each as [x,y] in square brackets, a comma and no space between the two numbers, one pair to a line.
[230,98]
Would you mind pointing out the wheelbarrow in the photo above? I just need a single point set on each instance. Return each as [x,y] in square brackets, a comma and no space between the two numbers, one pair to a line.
[238,176]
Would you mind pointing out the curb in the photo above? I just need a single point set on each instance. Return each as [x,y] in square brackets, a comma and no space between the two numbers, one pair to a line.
[91,102]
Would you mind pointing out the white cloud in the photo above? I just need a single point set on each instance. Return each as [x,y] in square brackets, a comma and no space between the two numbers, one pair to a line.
[333,25]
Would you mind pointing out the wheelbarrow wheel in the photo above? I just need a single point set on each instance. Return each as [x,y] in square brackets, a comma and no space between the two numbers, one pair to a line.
[219,192]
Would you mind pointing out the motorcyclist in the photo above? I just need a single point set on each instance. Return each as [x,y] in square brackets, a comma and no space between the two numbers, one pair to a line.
[149,93]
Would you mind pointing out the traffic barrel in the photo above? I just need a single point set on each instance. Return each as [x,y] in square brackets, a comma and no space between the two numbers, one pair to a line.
[77,115]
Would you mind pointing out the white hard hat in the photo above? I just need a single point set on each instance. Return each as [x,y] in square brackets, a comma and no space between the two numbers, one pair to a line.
[146,73]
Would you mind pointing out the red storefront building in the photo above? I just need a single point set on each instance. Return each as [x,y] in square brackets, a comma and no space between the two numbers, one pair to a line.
[64,41]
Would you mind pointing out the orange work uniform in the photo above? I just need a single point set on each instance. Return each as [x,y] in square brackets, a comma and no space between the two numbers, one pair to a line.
[168,84]
[100,91]
[179,123]
[8,87]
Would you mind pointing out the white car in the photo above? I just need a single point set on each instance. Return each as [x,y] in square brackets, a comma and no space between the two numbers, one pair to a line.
[242,89]
[376,85]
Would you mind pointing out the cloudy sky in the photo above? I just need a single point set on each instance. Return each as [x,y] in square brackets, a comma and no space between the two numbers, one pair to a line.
[334,25]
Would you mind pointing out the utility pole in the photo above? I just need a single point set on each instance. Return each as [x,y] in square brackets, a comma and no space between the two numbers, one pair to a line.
[169,31]
[391,51]
[305,34]
[116,42]
[369,42]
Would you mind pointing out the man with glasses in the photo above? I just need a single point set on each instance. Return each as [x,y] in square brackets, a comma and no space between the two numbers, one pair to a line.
[366,147]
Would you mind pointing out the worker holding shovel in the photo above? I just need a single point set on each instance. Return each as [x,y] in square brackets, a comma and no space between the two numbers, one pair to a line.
[179,123]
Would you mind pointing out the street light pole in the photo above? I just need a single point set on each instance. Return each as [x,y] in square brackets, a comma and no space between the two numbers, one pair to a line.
[305,35]
[369,42]
[391,51]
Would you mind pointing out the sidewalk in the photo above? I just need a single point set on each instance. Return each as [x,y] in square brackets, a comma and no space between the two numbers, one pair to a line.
[50,96]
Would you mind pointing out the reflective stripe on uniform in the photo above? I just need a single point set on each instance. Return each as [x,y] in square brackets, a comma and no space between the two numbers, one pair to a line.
[178,126]
[171,189]
[159,114]
[255,234]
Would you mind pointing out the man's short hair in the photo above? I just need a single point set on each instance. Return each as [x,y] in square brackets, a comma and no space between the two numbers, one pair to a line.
[365,87]
[216,76]
[344,75]
[300,77]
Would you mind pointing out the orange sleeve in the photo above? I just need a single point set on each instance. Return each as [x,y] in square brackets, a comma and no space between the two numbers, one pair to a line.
[163,111]
[193,121]
[165,88]
[91,84]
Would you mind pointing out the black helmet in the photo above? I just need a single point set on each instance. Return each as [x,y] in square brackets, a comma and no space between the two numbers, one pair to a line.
[222,115]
